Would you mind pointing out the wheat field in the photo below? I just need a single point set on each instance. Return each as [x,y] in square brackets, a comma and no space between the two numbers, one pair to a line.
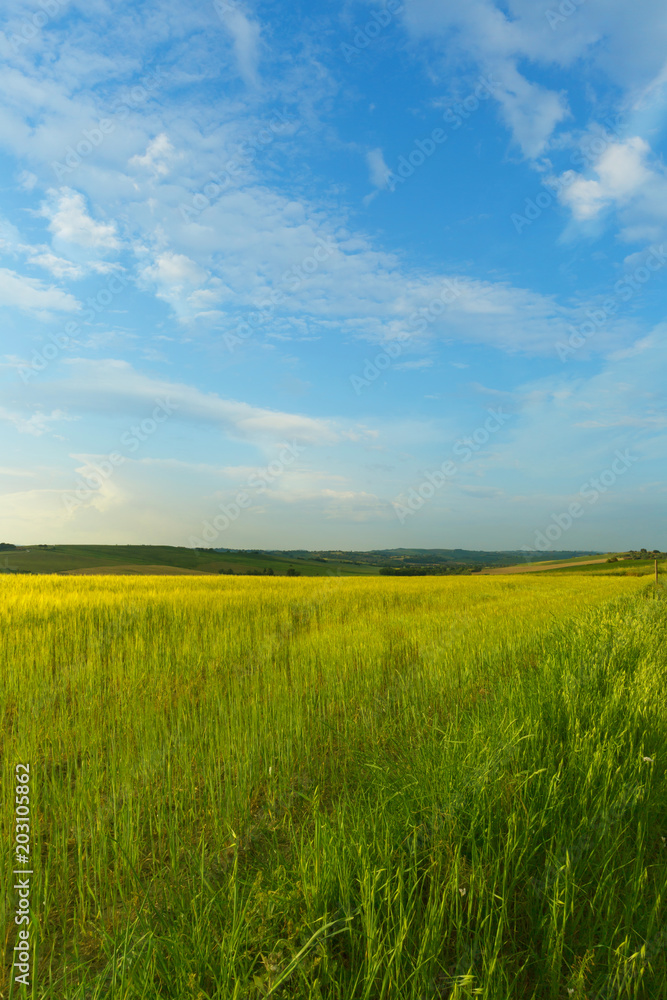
[360,789]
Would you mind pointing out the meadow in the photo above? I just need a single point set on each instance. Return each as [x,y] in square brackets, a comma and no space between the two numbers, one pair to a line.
[341,788]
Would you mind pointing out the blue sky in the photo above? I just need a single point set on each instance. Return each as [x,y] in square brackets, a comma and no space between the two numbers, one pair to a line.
[333,275]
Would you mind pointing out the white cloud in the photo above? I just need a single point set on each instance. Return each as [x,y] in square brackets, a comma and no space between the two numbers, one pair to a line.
[157,156]
[174,269]
[177,279]
[62,268]
[57,266]
[11,242]
[621,172]
[30,294]
[70,222]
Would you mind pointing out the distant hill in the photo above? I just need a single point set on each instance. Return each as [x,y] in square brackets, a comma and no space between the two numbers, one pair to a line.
[472,556]
[404,558]
[154,559]
[150,559]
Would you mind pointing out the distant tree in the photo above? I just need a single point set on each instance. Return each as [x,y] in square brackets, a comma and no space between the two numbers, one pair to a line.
[293,572]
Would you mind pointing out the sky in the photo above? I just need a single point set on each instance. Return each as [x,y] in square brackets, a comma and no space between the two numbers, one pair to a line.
[330,275]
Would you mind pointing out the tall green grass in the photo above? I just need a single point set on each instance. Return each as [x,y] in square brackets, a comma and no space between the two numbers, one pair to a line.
[344,789]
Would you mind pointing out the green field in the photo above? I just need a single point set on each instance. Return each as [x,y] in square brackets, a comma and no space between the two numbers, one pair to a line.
[145,558]
[151,559]
[599,565]
[345,788]
[629,567]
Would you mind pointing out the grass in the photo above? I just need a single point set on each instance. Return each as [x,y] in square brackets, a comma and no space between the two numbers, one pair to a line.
[630,567]
[543,567]
[350,789]
[572,560]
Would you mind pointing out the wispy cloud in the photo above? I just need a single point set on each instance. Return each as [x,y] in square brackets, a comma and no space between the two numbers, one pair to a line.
[114,385]
[32,295]
[246,34]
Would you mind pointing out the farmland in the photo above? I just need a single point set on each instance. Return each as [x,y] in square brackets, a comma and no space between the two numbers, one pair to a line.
[344,787]
[165,559]
[177,560]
